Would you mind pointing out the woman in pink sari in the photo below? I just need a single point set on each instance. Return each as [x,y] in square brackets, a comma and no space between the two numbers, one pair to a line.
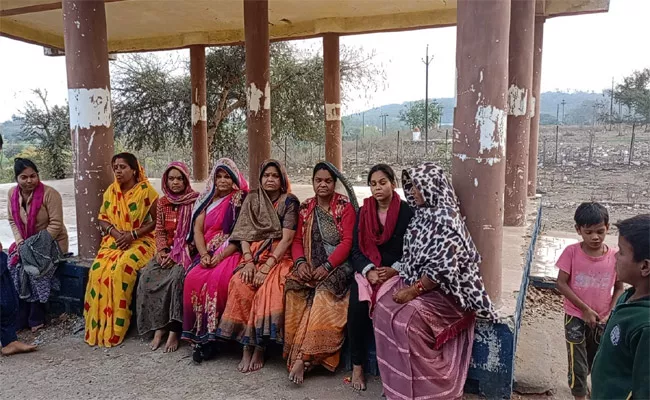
[206,284]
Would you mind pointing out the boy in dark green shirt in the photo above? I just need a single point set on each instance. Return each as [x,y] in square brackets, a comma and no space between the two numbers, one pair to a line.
[621,368]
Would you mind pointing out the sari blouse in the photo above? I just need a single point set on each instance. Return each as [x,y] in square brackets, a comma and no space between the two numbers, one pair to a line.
[166,223]
[344,217]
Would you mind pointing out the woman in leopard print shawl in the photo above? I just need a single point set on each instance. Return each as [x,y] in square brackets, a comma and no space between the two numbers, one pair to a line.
[438,244]
[425,317]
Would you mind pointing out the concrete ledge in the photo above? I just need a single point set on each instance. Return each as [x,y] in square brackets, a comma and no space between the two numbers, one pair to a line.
[492,368]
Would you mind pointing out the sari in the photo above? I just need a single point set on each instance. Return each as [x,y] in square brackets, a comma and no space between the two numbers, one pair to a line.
[424,346]
[255,315]
[206,288]
[159,299]
[107,304]
[316,312]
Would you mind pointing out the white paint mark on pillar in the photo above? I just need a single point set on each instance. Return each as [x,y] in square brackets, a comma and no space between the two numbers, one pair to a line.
[199,114]
[475,182]
[480,76]
[517,100]
[267,96]
[532,106]
[488,227]
[89,107]
[77,23]
[254,98]
[332,112]
[90,144]
[491,125]
[487,160]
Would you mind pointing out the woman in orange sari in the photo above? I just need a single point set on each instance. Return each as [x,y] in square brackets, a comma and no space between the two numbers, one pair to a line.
[317,290]
[254,313]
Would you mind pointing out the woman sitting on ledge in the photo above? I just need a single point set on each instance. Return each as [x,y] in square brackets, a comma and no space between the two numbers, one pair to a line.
[424,318]
[254,313]
[206,284]
[36,220]
[159,302]
[317,290]
[127,220]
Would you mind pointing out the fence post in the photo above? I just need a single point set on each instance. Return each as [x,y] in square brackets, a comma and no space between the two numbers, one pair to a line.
[397,152]
[447,144]
[631,145]
[592,134]
[557,139]
[356,150]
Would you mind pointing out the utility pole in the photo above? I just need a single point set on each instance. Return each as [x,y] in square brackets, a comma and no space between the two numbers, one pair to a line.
[563,103]
[383,124]
[557,115]
[363,124]
[611,106]
[426,62]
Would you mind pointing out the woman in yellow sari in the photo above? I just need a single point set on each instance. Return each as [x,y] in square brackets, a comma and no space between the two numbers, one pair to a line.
[127,220]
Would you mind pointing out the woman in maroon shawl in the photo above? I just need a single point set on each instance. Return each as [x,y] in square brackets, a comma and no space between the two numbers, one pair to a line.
[33,207]
[424,317]
[378,237]
[159,303]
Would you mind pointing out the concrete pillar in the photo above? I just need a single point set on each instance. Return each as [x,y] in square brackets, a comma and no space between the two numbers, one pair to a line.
[536,100]
[522,27]
[332,84]
[478,165]
[258,87]
[199,114]
[89,99]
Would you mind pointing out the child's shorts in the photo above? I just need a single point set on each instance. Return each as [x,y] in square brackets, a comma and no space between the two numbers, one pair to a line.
[582,343]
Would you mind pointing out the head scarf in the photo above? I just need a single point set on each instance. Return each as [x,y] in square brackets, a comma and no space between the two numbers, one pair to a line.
[184,201]
[343,195]
[205,198]
[438,244]
[259,218]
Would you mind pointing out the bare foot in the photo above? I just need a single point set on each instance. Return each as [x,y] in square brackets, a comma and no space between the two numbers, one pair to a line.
[358,378]
[37,327]
[172,342]
[245,360]
[157,339]
[257,362]
[297,373]
[17,347]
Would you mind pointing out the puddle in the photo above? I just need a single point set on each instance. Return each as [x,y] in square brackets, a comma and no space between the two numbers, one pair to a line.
[549,249]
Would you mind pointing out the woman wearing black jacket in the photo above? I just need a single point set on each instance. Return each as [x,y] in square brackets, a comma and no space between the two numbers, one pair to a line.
[378,241]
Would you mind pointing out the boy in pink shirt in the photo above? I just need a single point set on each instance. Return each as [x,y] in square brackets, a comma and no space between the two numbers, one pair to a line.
[587,279]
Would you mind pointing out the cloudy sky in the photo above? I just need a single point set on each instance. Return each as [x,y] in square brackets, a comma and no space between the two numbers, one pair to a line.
[580,53]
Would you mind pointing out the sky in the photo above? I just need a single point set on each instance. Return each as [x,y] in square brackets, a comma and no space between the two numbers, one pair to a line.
[580,53]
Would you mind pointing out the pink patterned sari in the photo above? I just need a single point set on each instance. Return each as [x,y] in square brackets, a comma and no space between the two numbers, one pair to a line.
[206,289]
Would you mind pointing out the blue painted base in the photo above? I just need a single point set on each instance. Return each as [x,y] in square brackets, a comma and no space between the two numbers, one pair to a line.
[73,276]
[491,370]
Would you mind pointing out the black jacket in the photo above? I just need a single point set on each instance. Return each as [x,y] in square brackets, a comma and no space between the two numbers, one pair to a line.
[390,251]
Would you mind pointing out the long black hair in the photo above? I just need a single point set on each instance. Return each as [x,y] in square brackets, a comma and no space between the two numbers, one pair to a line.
[131,160]
[21,164]
[386,169]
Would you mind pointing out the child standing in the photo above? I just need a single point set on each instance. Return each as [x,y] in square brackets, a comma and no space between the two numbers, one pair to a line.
[622,364]
[587,279]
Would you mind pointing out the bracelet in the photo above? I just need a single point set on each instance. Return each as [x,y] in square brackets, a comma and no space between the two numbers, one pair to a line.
[419,287]
[134,234]
[328,267]
[275,259]
[299,261]
[108,231]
